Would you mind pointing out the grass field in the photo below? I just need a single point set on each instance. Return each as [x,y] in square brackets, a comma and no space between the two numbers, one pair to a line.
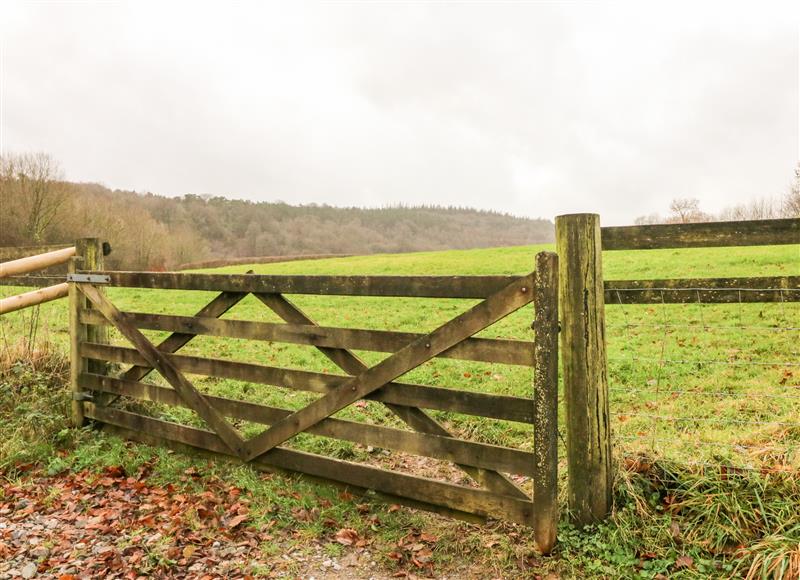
[690,385]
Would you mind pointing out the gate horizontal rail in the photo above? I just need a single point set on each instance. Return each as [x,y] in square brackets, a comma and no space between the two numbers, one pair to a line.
[481,455]
[513,352]
[490,493]
[389,286]
[427,491]
[506,407]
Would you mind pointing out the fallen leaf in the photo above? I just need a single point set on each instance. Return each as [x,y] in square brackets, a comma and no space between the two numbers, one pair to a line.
[235,521]
[115,471]
[346,536]
[675,530]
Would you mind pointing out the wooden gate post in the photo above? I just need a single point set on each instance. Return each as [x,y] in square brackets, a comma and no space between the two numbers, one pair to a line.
[583,350]
[89,256]
[545,405]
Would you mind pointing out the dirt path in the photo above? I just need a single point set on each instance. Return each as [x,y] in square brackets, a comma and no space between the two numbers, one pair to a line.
[110,524]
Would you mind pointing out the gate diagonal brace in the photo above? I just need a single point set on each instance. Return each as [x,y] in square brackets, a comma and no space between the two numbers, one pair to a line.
[168,370]
[511,298]
[177,340]
[414,417]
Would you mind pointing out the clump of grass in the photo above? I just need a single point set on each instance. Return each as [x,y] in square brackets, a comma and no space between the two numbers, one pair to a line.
[729,521]
[34,401]
[774,557]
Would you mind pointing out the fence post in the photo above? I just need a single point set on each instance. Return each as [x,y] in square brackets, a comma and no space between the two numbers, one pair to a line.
[583,350]
[89,256]
[545,402]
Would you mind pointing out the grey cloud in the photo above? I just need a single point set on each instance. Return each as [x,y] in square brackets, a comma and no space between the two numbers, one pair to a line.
[536,109]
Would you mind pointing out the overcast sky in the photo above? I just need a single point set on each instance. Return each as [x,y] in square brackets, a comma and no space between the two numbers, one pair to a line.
[535,109]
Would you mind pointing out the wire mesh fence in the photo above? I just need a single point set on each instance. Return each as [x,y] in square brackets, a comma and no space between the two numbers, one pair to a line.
[707,384]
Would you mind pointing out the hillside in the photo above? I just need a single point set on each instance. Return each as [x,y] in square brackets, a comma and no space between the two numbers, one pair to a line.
[149,231]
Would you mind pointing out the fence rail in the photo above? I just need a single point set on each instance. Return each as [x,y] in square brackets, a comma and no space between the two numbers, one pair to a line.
[40,280]
[702,235]
[16,252]
[30,264]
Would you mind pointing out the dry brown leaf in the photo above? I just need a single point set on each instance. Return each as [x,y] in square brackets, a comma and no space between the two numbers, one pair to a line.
[235,521]
[346,536]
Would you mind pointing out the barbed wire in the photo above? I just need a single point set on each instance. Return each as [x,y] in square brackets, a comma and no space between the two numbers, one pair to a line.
[795,398]
[704,326]
[698,289]
[655,437]
[707,362]
[727,420]
[766,447]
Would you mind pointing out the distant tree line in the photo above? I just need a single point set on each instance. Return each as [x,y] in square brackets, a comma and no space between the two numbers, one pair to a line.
[687,210]
[148,231]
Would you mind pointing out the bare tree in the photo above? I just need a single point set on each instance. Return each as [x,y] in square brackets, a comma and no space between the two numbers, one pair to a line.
[686,210]
[33,186]
[762,208]
[791,204]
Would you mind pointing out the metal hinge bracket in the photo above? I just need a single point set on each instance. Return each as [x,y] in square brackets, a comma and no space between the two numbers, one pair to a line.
[82,396]
[89,278]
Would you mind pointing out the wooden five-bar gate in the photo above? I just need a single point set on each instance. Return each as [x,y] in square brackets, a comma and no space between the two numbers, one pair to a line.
[491,492]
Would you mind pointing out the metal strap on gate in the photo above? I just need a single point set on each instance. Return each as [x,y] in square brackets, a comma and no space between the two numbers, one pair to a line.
[89,278]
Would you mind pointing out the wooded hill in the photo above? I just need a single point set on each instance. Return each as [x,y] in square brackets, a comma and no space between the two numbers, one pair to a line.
[150,231]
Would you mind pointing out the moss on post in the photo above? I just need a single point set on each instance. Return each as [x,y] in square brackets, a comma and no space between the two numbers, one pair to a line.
[545,402]
[583,348]
[89,256]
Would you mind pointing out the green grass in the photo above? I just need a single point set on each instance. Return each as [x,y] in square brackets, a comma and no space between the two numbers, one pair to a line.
[690,385]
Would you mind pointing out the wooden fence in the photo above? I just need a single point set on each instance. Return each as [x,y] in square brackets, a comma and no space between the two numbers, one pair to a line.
[19,262]
[584,293]
[491,492]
